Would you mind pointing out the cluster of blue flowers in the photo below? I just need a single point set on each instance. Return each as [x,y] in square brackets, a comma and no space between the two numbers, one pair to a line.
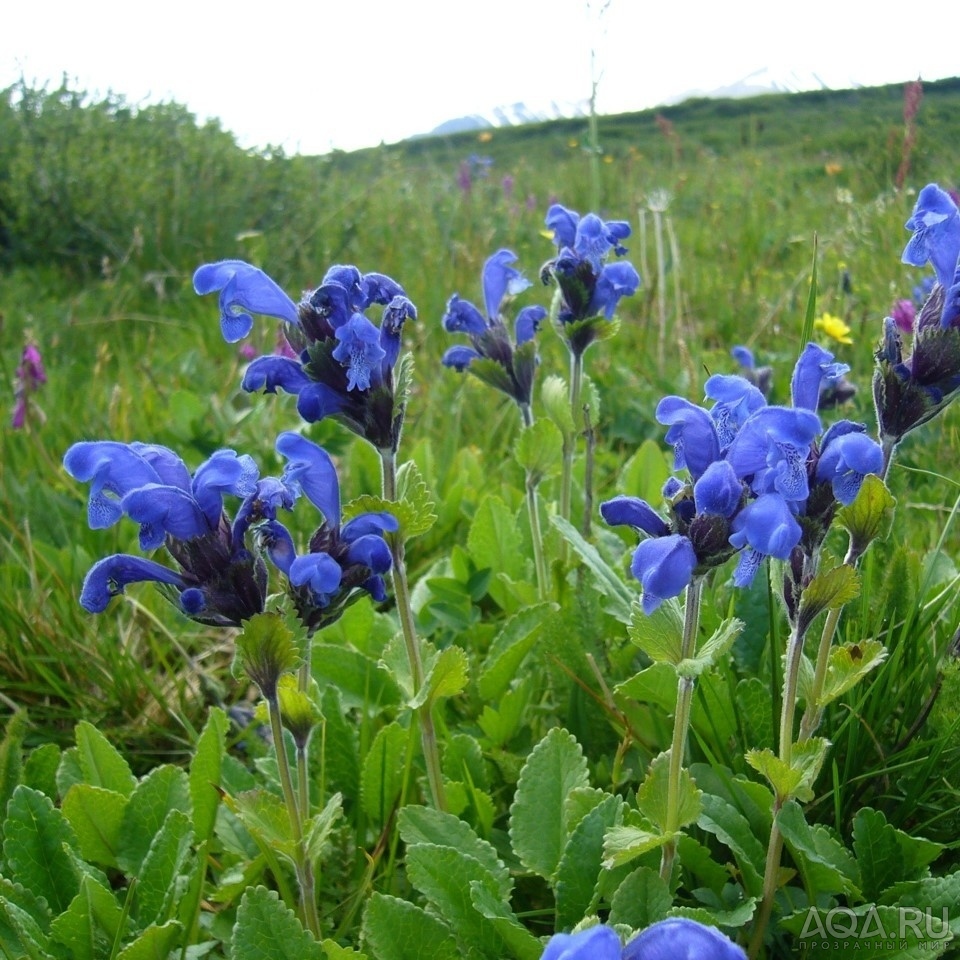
[911,389]
[221,573]
[760,483]
[672,939]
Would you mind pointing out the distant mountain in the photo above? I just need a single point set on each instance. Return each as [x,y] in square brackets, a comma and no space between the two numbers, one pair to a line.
[754,84]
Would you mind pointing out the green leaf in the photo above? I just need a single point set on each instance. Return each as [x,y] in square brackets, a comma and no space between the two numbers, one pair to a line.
[754,708]
[358,678]
[731,827]
[656,685]
[443,875]
[827,591]
[629,841]
[267,929]
[40,770]
[164,789]
[641,900]
[620,598]
[381,779]
[418,824]
[205,773]
[494,539]
[161,866]
[266,647]
[538,817]
[847,665]
[399,930]
[317,829]
[539,450]
[101,762]
[660,634]
[446,676]
[780,775]
[333,951]
[825,864]
[712,650]
[514,641]
[645,473]
[89,926]
[420,509]
[24,921]
[11,763]
[869,517]
[556,403]
[806,762]
[518,940]
[36,838]
[265,815]
[652,795]
[96,815]
[581,862]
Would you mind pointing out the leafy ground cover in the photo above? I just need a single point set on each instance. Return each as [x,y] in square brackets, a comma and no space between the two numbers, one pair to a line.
[552,795]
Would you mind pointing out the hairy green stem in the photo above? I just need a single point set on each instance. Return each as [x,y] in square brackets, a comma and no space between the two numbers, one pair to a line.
[771,873]
[681,724]
[536,533]
[401,593]
[570,445]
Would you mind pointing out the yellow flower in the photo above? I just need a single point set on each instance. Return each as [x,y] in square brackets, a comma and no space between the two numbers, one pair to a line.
[832,169]
[485,137]
[834,328]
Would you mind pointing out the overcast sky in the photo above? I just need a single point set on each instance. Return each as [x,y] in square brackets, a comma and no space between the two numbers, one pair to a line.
[312,76]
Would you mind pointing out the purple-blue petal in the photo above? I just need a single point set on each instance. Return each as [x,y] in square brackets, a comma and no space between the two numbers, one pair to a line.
[664,566]
[616,280]
[109,577]
[350,280]
[278,543]
[459,357]
[718,490]
[359,351]
[244,289]
[767,526]
[170,468]
[814,367]
[376,522]
[846,460]
[163,511]
[224,472]
[379,288]
[462,316]
[634,512]
[935,222]
[310,469]
[743,356]
[318,400]
[677,938]
[372,551]
[319,571]
[595,943]
[528,323]
[499,279]
[563,223]
[692,433]
[270,372]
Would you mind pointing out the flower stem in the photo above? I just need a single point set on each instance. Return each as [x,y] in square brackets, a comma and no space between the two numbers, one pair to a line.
[681,724]
[570,445]
[401,592]
[536,534]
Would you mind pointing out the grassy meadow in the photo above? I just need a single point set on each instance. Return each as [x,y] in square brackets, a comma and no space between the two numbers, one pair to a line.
[106,211]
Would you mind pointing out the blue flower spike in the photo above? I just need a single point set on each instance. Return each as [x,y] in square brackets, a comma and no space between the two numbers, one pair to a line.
[599,942]
[679,938]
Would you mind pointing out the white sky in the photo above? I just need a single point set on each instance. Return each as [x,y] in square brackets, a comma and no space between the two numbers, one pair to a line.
[311,75]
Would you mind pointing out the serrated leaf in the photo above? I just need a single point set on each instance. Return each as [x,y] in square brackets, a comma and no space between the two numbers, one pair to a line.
[266,647]
[412,493]
[399,930]
[265,816]
[444,875]
[731,827]
[24,918]
[538,816]
[418,824]
[652,795]
[161,866]
[333,951]
[641,900]
[155,943]
[869,517]
[101,763]
[827,591]
[96,815]
[446,677]
[659,635]
[581,862]
[11,761]
[780,775]
[267,929]
[847,665]
[739,916]
[627,842]
[317,829]
[36,836]
[712,650]
[205,773]
[754,708]
[494,539]
[539,450]
[514,641]
[381,778]
[519,941]
[89,926]
[556,402]
[795,779]
[164,789]
[619,596]
[40,770]
[825,864]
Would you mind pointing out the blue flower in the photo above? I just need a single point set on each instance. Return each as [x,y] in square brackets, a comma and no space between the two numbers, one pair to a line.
[677,938]
[636,513]
[514,363]
[599,942]
[345,365]
[847,456]
[813,370]
[664,566]
[692,432]
[765,527]
[219,581]
[935,223]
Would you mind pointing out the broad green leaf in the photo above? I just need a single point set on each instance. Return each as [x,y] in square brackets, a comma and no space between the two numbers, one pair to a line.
[96,815]
[399,930]
[89,926]
[645,473]
[494,539]
[620,598]
[847,665]
[205,773]
[538,824]
[514,641]
[164,789]
[641,899]
[341,746]
[731,827]
[154,943]
[518,940]
[581,862]
[699,864]
[755,710]
[36,836]
[444,875]
[827,591]
[656,685]
[463,758]
[69,771]
[447,676]
[24,918]
[382,776]
[359,680]
[710,652]
[40,770]
[652,795]
[266,647]
[267,929]
[101,762]
[825,864]
[265,815]
[539,450]
[333,951]
[739,916]
[317,829]
[783,777]
[627,842]
[419,824]
[869,517]
[161,866]
[556,403]
[660,634]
